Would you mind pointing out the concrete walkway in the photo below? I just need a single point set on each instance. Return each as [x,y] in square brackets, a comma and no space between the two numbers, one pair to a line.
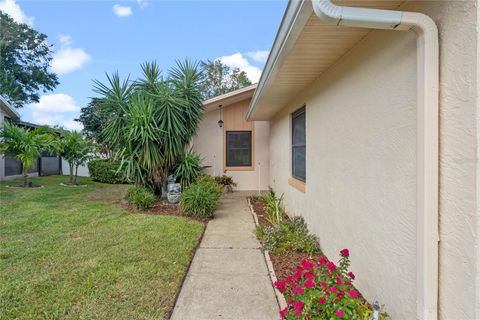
[228,278]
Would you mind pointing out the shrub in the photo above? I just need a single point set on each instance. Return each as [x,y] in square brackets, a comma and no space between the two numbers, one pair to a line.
[106,171]
[188,168]
[276,211]
[324,290]
[254,197]
[140,197]
[210,183]
[226,181]
[200,199]
[291,235]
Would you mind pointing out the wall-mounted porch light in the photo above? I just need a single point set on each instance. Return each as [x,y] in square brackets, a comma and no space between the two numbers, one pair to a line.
[220,122]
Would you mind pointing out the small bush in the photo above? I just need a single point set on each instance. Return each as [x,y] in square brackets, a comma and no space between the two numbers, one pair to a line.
[188,168]
[275,209]
[200,199]
[255,197]
[226,181]
[106,171]
[292,235]
[140,197]
[210,183]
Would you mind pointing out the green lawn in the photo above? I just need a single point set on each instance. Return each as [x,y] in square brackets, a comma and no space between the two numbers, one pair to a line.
[74,253]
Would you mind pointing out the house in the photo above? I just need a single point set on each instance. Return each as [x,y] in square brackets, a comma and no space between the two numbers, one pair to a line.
[229,144]
[11,167]
[370,129]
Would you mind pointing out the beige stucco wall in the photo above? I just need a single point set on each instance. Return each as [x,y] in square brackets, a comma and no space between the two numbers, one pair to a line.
[209,144]
[361,162]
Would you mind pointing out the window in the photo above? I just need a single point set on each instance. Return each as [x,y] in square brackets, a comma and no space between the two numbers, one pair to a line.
[298,145]
[239,149]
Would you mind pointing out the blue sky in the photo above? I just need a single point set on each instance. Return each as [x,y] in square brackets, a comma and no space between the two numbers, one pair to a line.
[94,37]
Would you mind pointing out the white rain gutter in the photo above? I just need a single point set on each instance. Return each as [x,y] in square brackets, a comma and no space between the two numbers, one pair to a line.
[427,131]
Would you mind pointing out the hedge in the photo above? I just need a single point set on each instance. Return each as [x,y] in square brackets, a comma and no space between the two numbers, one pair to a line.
[106,171]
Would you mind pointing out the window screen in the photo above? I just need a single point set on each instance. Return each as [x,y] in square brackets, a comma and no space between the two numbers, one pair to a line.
[299,145]
[239,149]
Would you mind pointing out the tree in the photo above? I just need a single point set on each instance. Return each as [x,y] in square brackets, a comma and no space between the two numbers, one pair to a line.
[153,119]
[94,117]
[25,57]
[26,145]
[76,150]
[220,79]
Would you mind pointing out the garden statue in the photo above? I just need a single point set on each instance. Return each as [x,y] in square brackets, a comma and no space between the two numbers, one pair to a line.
[173,189]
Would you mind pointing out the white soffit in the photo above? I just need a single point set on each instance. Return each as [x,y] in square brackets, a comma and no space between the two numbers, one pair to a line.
[304,48]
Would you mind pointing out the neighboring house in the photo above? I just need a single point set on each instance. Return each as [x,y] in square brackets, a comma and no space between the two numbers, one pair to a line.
[229,144]
[11,167]
[368,152]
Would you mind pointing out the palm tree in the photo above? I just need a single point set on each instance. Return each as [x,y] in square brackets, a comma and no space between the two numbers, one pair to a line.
[77,151]
[154,121]
[26,145]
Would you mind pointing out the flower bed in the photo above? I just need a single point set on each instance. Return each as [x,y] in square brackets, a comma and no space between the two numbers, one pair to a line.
[313,286]
[284,264]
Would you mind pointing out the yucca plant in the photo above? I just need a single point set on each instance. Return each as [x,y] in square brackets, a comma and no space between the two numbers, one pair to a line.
[188,168]
[25,145]
[154,120]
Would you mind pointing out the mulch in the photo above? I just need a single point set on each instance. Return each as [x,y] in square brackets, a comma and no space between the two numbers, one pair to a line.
[261,211]
[284,264]
[33,186]
[162,207]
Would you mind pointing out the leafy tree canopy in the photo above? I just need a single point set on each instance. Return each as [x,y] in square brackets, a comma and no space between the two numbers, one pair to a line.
[26,144]
[25,57]
[221,79]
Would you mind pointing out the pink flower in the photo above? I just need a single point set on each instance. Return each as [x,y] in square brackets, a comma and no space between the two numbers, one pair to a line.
[345,253]
[339,313]
[322,301]
[298,290]
[298,274]
[298,306]
[309,275]
[351,275]
[323,284]
[321,261]
[353,293]
[333,289]
[288,279]
[307,265]
[283,313]
[331,266]
[280,285]
[339,281]
[309,284]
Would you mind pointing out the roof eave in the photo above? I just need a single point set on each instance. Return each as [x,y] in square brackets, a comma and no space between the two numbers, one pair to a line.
[230,97]
[295,17]
[9,109]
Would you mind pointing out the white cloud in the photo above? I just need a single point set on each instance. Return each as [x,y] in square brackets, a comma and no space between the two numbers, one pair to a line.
[68,59]
[56,109]
[56,102]
[237,60]
[142,3]
[11,8]
[259,55]
[122,11]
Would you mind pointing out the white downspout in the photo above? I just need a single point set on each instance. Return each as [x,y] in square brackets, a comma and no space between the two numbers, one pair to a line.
[427,131]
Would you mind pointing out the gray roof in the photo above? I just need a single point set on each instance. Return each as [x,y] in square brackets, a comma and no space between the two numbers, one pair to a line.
[8,109]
